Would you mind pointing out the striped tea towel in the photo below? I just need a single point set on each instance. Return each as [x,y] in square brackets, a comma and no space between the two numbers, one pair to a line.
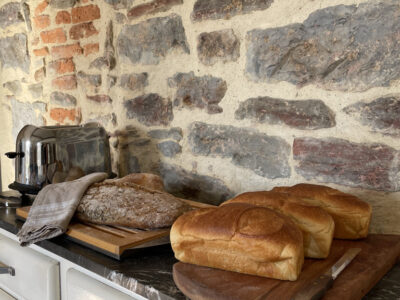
[54,207]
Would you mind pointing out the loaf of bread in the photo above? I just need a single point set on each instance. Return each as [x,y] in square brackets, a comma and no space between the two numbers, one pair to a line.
[242,238]
[315,223]
[351,215]
[123,203]
[150,181]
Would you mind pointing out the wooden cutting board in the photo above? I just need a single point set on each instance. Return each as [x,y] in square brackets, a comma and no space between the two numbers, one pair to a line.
[113,241]
[378,255]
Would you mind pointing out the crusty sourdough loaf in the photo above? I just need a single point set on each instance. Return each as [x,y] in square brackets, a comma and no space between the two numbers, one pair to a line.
[351,215]
[315,223]
[150,181]
[242,238]
[128,204]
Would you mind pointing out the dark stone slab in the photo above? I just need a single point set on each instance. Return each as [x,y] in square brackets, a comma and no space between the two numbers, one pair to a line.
[193,186]
[36,90]
[202,92]
[300,114]
[161,134]
[14,52]
[119,4]
[27,15]
[218,46]
[169,148]
[62,99]
[89,80]
[111,80]
[134,81]
[370,166]
[24,113]
[151,8]
[149,109]
[13,86]
[108,59]
[10,14]
[62,3]
[150,41]
[265,155]
[347,48]
[100,98]
[104,119]
[381,115]
[225,9]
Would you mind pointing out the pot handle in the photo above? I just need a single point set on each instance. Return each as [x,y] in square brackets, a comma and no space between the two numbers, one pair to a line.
[14,154]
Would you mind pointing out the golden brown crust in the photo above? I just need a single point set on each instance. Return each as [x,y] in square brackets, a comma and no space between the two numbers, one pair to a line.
[316,224]
[150,181]
[352,216]
[242,238]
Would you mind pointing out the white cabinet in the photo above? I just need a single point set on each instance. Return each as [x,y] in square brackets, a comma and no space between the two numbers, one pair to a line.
[36,277]
[42,275]
[6,296]
[81,286]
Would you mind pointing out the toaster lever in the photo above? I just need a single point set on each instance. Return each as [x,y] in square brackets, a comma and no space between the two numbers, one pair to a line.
[15,154]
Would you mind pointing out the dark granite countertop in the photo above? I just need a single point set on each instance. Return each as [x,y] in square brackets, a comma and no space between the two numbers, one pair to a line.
[149,272]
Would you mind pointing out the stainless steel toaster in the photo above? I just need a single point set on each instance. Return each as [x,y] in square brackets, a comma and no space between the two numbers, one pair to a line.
[52,154]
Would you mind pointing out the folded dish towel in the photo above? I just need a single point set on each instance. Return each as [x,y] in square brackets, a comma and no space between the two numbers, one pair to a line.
[54,208]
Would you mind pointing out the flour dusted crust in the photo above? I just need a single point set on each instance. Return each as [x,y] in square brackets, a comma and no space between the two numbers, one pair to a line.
[315,223]
[242,238]
[352,216]
[150,181]
[128,204]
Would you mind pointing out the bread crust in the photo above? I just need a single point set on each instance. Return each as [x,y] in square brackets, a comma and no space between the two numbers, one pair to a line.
[123,203]
[316,224]
[241,238]
[352,216]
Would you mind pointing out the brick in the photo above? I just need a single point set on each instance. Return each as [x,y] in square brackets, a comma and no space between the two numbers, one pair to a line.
[60,114]
[53,36]
[40,74]
[67,82]
[41,52]
[90,49]
[152,8]
[66,51]
[63,17]
[85,13]
[371,166]
[35,41]
[82,30]
[62,66]
[42,21]
[41,7]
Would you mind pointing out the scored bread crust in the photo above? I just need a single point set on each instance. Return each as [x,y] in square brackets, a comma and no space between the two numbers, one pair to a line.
[352,216]
[316,224]
[148,180]
[128,204]
[242,238]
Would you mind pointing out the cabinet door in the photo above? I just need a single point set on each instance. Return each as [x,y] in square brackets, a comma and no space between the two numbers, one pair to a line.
[6,296]
[37,276]
[81,286]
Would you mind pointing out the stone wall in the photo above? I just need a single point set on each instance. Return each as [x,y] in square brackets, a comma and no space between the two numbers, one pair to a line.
[217,96]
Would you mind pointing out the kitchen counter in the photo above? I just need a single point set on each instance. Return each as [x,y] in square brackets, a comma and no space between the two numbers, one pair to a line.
[149,272]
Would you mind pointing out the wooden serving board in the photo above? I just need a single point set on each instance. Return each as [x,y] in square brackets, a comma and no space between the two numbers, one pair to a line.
[112,240]
[378,255]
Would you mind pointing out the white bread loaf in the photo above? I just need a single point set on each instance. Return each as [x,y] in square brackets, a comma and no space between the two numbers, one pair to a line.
[242,238]
[315,223]
[351,215]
